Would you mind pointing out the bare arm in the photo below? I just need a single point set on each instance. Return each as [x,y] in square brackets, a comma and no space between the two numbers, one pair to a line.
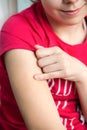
[56,63]
[33,97]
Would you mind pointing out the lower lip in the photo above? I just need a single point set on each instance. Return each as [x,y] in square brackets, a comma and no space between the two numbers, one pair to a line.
[72,13]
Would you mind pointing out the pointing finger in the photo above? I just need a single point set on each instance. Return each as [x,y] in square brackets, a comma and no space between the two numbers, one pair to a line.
[46,76]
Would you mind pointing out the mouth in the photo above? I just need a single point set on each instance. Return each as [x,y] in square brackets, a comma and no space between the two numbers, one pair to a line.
[72,12]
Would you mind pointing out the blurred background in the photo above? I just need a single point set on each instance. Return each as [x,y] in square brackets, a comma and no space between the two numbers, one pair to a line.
[10,7]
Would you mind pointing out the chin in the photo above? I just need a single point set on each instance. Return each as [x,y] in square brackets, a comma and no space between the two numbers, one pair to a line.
[72,21]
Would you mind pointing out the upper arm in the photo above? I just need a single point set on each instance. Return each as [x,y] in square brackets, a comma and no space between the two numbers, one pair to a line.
[33,97]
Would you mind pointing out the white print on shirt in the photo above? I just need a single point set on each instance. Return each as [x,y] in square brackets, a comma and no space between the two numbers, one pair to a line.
[65,122]
[52,83]
[71,124]
[58,104]
[63,106]
[66,90]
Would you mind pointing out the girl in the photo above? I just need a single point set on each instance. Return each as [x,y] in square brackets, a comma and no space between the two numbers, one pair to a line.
[26,103]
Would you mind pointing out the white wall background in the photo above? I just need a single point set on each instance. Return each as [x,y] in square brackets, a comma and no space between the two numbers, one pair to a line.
[3,8]
[9,7]
[22,4]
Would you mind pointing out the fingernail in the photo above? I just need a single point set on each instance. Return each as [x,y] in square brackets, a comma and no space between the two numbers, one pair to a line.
[37,77]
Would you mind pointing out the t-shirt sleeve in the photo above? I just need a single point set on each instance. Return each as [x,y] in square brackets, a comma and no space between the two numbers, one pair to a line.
[16,34]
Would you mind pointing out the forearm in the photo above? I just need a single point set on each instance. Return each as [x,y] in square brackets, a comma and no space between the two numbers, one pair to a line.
[82,92]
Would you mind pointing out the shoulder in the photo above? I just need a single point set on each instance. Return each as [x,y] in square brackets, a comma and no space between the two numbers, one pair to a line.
[26,22]
[14,24]
[24,29]
[17,23]
[22,20]
[15,34]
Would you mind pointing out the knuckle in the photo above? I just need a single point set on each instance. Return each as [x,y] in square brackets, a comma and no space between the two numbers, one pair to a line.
[46,69]
[39,63]
[57,49]
[66,73]
[51,75]
[38,54]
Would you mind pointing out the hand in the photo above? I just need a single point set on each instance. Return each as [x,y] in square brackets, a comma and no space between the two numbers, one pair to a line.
[55,63]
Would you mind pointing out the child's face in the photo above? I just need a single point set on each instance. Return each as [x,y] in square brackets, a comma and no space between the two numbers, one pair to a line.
[65,11]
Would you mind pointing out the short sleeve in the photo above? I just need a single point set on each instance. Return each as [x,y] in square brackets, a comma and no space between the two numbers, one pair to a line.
[16,34]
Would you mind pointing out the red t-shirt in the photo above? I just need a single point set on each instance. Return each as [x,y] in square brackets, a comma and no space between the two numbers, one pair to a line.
[23,31]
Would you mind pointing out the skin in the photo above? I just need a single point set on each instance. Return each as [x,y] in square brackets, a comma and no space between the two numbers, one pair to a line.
[33,97]
[56,63]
